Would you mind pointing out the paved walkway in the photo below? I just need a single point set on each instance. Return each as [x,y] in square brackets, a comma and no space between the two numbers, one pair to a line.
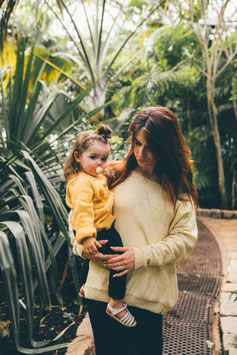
[187,329]
[225,232]
[199,284]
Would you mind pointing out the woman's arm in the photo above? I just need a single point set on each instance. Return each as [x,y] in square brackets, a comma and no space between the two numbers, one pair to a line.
[176,247]
[179,243]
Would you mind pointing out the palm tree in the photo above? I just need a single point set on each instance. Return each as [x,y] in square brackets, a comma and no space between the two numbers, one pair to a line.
[94,48]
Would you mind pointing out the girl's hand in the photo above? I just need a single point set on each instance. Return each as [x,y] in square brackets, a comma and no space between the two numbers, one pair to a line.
[90,246]
[124,262]
[97,257]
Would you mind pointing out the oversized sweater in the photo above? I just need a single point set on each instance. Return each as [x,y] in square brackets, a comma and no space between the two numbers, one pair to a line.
[160,235]
[91,205]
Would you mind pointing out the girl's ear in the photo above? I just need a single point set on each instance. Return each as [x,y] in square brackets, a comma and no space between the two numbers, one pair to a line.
[77,157]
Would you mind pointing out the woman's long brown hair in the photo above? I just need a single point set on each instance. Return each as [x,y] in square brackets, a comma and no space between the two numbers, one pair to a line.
[165,140]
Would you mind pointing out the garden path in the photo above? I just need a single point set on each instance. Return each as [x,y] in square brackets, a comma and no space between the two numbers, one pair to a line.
[188,327]
[225,232]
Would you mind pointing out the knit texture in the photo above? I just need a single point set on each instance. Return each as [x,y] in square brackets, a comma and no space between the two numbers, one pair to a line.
[160,237]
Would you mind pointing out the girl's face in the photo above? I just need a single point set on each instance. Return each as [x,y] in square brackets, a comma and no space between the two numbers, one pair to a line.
[95,156]
[145,158]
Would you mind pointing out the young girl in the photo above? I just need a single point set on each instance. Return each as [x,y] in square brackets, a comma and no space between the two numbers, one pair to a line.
[91,205]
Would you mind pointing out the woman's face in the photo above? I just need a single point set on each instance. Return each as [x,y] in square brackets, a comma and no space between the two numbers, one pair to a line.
[145,158]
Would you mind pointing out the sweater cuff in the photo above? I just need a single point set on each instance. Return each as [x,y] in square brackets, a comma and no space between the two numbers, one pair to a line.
[78,249]
[140,260]
[85,232]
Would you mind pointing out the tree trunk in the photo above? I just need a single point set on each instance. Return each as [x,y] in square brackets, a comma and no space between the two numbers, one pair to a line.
[233,189]
[212,110]
[234,99]
[188,111]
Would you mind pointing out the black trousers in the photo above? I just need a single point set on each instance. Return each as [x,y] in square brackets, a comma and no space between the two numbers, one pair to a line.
[113,338]
[117,285]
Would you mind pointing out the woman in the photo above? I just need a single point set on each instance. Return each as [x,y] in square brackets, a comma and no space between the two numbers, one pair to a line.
[155,200]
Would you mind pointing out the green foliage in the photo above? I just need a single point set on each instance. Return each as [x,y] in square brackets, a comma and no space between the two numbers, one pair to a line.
[95,44]
[33,217]
[165,74]
[119,148]
[31,9]
[234,294]
[68,317]
[137,3]
[28,246]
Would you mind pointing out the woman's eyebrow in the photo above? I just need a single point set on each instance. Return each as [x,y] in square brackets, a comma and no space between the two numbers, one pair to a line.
[145,145]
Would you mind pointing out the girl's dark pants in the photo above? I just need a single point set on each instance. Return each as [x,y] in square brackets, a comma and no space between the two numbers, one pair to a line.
[117,285]
[112,338]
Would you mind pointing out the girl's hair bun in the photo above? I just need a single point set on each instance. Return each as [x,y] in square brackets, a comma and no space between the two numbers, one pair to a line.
[104,131]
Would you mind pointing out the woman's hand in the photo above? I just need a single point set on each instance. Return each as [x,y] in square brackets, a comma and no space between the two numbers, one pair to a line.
[124,262]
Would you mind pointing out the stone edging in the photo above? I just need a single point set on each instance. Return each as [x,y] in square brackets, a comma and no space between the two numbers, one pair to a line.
[216,213]
[228,308]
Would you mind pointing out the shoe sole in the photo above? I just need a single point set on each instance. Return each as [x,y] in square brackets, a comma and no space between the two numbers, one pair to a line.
[118,320]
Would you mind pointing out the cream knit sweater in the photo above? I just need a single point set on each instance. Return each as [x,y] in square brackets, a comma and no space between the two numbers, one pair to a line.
[160,236]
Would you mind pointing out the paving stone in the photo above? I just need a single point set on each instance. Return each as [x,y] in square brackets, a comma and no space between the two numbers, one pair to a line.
[229,341]
[204,212]
[85,329]
[228,213]
[83,344]
[215,213]
[229,287]
[233,246]
[229,325]
[234,255]
[227,305]
[234,214]
[232,278]
[232,268]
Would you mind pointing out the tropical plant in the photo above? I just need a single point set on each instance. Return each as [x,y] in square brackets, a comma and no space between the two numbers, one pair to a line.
[218,51]
[95,43]
[185,92]
[28,247]
[33,218]
[6,10]
[159,74]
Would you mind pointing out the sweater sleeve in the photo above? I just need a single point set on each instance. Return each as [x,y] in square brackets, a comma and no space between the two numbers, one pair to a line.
[179,243]
[76,248]
[81,195]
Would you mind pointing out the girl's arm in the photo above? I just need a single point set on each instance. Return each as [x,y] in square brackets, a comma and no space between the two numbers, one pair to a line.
[80,199]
